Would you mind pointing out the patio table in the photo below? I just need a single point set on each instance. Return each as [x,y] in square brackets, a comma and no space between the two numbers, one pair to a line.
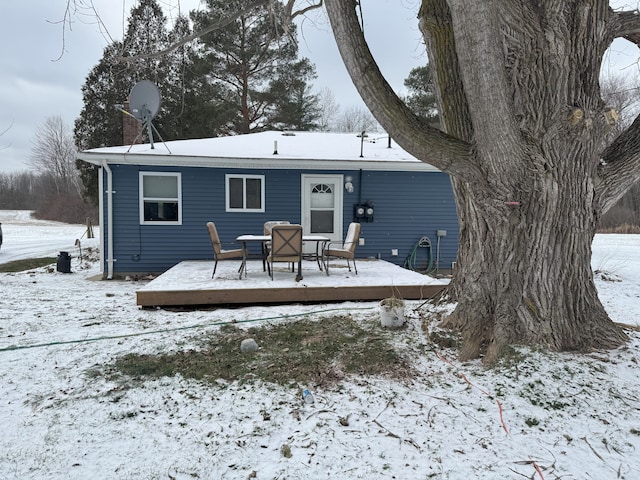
[320,241]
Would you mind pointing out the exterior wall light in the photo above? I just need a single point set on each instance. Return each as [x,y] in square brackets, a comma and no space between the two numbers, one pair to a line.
[348,184]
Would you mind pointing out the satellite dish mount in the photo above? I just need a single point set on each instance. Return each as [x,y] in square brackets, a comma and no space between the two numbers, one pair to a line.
[144,101]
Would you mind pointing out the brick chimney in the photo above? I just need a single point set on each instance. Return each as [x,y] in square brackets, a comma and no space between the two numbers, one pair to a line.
[131,127]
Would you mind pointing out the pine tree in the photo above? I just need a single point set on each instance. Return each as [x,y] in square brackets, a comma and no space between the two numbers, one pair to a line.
[422,99]
[146,34]
[295,107]
[241,78]
[190,100]
[109,83]
[99,123]
[246,58]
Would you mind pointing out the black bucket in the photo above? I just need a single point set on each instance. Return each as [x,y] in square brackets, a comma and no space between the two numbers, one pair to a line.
[64,262]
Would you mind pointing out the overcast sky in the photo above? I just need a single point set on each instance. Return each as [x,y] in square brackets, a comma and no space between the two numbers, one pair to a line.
[36,82]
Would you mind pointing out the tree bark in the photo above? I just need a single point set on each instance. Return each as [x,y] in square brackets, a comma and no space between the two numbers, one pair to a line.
[521,106]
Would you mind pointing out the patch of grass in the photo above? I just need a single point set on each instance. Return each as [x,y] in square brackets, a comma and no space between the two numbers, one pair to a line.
[556,405]
[307,352]
[445,338]
[26,264]
[535,393]
[532,422]
[509,356]
[285,451]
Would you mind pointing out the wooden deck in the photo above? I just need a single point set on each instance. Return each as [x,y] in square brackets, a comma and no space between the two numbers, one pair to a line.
[190,284]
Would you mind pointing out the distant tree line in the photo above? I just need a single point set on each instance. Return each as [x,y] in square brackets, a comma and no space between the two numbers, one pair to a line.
[28,190]
[53,188]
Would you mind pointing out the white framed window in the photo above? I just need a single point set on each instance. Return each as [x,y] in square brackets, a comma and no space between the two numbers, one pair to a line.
[245,193]
[160,198]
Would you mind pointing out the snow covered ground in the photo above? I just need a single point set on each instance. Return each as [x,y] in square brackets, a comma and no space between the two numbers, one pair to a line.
[551,416]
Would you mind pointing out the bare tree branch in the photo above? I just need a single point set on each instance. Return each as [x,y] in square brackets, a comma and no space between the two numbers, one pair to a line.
[66,20]
[226,20]
[5,131]
[626,24]
[445,152]
[620,166]
[80,9]
[293,14]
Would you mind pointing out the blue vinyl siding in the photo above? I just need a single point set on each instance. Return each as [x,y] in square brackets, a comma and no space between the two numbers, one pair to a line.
[408,206]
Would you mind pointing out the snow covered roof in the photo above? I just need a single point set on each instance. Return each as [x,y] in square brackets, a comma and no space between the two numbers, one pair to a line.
[272,149]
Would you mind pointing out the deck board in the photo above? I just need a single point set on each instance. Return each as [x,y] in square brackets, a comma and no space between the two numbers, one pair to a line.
[190,284]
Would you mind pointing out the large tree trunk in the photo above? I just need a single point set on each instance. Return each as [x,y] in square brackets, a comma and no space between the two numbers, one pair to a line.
[525,275]
[518,85]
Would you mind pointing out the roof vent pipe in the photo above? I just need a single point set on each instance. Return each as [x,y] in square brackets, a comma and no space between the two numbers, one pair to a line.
[362,136]
[389,142]
[275,147]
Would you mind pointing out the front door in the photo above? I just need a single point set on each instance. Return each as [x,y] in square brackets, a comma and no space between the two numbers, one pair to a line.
[322,206]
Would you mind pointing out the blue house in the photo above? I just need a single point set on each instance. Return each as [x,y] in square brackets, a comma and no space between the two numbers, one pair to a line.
[156,199]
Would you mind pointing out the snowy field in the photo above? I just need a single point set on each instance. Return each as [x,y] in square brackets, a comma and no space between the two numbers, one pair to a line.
[553,416]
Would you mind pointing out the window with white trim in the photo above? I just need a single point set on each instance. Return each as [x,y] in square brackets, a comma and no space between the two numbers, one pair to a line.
[245,193]
[160,198]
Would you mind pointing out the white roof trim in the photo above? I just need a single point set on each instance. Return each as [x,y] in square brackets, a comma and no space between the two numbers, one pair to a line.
[257,151]
[253,163]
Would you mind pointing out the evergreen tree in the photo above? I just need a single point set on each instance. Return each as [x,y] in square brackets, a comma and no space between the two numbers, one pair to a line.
[295,107]
[247,58]
[190,100]
[99,123]
[146,34]
[422,98]
[109,83]
[240,78]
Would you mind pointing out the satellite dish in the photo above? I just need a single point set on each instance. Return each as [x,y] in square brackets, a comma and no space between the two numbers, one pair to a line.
[144,101]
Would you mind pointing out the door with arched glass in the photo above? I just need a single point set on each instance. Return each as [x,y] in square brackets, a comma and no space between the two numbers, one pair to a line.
[322,205]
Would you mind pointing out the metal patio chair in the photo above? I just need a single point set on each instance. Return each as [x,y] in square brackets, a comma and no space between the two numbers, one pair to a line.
[286,246]
[220,253]
[346,249]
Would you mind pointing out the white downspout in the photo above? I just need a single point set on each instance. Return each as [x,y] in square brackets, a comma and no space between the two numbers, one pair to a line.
[109,220]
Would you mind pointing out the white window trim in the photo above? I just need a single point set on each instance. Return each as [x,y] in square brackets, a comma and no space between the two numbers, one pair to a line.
[178,176]
[228,208]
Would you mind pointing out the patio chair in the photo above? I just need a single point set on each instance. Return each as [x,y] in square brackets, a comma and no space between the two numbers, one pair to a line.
[221,254]
[269,225]
[266,246]
[286,246]
[346,249]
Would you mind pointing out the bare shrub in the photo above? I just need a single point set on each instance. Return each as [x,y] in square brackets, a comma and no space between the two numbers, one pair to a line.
[618,216]
[68,208]
[624,228]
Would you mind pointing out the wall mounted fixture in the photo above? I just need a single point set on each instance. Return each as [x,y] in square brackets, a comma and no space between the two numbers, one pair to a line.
[348,184]
[363,212]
